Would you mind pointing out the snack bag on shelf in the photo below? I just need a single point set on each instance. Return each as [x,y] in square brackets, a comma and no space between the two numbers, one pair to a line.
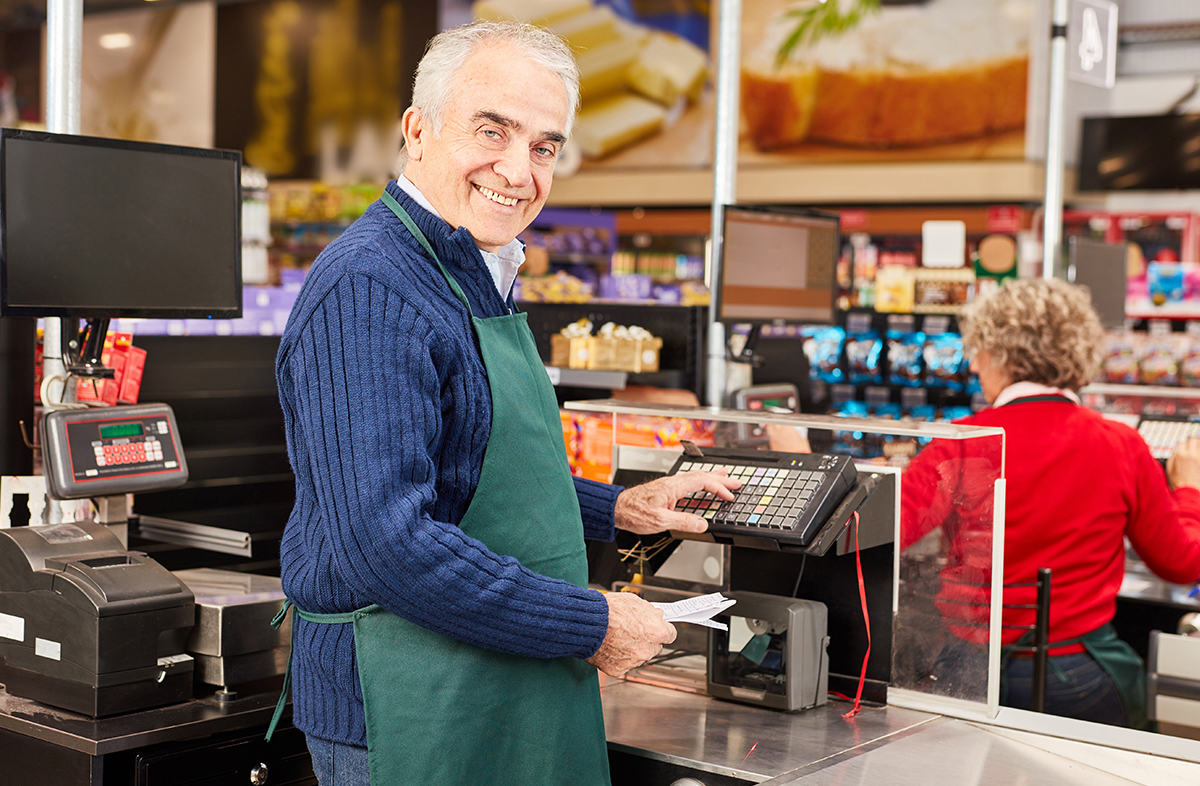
[1157,363]
[904,357]
[864,358]
[1121,350]
[823,346]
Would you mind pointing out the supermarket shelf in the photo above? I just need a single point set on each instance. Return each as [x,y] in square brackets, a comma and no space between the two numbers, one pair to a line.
[1152,391]
[581,378]
[892,182]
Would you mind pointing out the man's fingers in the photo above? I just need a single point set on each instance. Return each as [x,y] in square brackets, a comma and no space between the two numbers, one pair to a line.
[716,483]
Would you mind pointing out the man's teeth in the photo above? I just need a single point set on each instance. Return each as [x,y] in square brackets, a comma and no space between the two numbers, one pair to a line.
[492,195]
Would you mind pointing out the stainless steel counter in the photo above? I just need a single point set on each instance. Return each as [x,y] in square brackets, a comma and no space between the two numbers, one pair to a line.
[888,745]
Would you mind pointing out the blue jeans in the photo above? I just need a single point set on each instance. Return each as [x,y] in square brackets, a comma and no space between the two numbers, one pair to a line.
[338,764]
[1076,687]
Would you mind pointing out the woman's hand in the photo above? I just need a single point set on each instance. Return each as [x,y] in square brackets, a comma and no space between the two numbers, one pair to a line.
[1183,468]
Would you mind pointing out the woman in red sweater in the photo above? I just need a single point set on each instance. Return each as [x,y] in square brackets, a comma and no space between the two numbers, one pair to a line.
[1077,485]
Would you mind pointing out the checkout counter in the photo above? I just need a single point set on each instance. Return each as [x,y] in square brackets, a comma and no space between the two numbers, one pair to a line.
[907,731]
[921,732]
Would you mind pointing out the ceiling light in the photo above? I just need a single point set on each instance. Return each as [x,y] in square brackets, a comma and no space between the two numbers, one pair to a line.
[116,40]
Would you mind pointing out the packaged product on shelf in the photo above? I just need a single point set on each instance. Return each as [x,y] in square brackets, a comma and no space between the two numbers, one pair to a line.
[625,287]
[1121,350]
[693,293]
[945,365]
[571,439]
[904,357]
[864,358]
[1189,363]
[942,290]
[569,346]
[954,414]
[558,288]
[613,348]
[1166,282]
[823,347]
[853,443]
[895,289]
[1158,362]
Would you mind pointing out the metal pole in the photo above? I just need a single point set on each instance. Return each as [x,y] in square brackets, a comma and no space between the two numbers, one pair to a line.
[728,57]
[1053,206]
[1041,652]
[64,49]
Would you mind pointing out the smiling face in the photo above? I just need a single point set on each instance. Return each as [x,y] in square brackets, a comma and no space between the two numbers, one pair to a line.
[489,168]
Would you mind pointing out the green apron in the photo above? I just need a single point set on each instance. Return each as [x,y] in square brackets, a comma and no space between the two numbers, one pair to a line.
[1114,657]
[440,711]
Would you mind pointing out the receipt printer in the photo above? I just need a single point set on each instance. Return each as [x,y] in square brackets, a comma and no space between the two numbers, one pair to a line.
[774,653]
[90,627]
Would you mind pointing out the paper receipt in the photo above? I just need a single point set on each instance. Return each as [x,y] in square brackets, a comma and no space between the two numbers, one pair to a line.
[698,610]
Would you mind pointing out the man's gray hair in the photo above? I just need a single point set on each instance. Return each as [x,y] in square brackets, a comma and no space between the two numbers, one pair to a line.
[449,50]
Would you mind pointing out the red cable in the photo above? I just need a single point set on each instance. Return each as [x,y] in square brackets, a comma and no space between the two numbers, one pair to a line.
[862,594]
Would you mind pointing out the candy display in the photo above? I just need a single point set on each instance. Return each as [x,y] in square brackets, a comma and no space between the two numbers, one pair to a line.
[864,357]
[945,362]
[904,357]
[823,347]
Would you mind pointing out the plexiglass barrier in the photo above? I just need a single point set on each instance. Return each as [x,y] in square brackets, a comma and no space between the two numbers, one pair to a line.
[946,514]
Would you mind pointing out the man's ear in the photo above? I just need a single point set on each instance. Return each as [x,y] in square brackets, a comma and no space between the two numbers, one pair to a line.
[413,126]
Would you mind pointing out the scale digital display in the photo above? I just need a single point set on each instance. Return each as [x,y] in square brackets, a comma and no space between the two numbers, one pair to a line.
[111,450]
[119,430]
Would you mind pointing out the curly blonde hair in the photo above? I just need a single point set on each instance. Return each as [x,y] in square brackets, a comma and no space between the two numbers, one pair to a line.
[1038,330]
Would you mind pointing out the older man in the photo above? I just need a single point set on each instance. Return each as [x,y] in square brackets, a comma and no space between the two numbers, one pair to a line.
[436,550]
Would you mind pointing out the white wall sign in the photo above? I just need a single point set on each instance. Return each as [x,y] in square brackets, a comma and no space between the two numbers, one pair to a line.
[1092,42]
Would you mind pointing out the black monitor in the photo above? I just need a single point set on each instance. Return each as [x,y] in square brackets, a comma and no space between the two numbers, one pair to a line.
[101,228]
[778,265]
[1143,153]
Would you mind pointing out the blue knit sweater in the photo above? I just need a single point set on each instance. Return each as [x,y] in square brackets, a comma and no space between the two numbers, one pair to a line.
[387,413]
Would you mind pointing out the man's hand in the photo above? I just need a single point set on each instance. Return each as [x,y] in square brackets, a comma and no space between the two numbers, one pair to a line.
[636,633]
[1183,468]
[650,507]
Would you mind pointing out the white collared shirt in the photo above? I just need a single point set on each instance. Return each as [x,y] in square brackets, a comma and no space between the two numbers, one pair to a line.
[1026,389]
[503,265]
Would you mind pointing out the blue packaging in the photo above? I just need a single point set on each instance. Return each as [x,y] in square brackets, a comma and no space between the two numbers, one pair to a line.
[823,347]
[944,360]
[864,358]
[904,358]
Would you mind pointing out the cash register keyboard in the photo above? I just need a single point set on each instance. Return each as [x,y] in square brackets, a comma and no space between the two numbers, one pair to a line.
[784,496]
[1163,436]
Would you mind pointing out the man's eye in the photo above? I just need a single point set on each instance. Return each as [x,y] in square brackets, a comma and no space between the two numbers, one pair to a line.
[491,134]
[545,151]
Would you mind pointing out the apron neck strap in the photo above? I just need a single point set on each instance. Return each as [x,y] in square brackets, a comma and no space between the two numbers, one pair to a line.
[406,219]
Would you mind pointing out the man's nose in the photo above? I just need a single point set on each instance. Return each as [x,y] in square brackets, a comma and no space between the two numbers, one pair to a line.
[514,166]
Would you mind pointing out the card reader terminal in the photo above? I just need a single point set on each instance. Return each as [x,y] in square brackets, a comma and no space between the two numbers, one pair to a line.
[111,450]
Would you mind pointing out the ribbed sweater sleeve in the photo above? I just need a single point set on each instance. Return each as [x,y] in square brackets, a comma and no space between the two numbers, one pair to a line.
[597,503]
[367,396]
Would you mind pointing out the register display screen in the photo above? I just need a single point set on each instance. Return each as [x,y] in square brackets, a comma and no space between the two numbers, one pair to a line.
[778,265]
[101,228]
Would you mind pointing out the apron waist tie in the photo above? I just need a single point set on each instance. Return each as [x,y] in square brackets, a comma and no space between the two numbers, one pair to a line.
[327,619]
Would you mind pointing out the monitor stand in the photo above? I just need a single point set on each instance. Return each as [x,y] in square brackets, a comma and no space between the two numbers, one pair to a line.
[82,349]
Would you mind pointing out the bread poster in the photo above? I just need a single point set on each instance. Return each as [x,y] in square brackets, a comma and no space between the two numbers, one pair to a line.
[821,81]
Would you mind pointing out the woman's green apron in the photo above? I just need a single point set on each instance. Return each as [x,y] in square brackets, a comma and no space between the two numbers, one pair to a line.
[440,711]
[1116,659]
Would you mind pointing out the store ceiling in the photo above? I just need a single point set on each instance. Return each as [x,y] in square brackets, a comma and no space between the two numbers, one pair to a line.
[21,14]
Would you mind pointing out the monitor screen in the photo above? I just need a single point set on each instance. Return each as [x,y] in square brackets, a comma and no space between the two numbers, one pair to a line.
[97,228]
[778,265]
[1144,153]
